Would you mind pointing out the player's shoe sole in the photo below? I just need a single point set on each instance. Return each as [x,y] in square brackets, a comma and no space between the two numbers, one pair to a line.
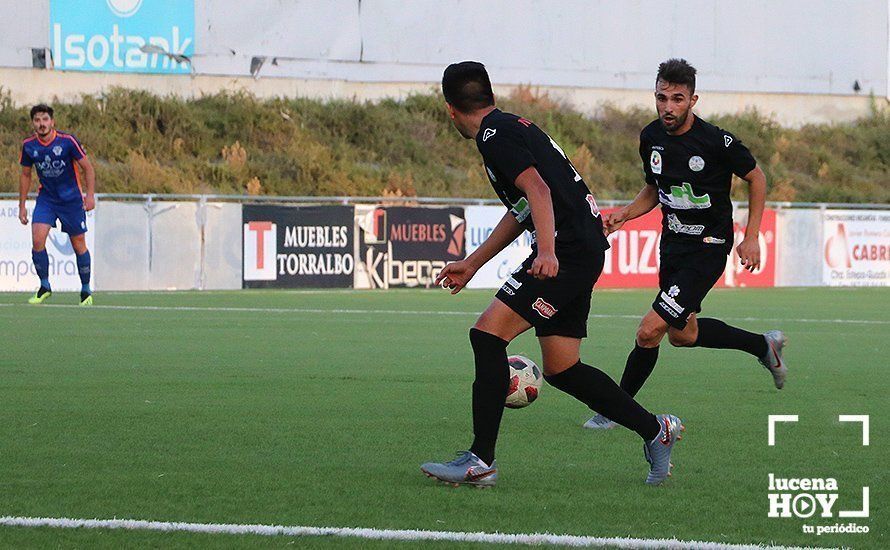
[39,299]
[658,451]
[88,301]
[774,362]
[600,422]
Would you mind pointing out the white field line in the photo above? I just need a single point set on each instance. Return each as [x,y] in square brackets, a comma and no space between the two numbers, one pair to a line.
[377,534]
[414,312]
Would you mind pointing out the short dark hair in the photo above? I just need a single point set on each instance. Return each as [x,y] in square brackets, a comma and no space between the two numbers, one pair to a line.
[42,108]
[677,71]
[466,86]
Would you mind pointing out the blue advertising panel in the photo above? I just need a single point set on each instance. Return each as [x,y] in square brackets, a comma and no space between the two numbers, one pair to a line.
[131,36]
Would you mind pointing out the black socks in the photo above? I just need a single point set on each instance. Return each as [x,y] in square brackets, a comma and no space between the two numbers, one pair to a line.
[595,389]
[640,363]
[713,333]
[489,391]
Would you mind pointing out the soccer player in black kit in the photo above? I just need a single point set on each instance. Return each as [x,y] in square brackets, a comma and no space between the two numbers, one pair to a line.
[550,291]
[689,166]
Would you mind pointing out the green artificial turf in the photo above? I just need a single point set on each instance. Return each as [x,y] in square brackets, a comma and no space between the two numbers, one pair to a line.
[317,408]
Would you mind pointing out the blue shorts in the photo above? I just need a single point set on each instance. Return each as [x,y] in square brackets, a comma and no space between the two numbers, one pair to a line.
[72,216]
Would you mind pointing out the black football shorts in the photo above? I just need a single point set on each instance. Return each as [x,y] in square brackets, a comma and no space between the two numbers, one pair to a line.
[685,278]
[557,306]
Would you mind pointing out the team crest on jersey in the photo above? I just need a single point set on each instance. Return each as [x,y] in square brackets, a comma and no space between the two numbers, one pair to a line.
[57,150]
[655,162]
[696,163]
[489,132]
[544,309]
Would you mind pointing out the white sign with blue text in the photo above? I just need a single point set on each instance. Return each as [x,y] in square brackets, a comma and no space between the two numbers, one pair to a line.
[481,221]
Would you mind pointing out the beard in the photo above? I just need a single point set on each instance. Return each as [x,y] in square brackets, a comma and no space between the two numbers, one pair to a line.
[675,122]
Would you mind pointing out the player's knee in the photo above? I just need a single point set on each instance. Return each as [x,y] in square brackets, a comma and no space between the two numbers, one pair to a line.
[79,246]
[649,336]
[681,339]
[556,365]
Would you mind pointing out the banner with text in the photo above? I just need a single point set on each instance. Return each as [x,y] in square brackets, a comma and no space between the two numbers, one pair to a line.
[856,248]
[16,267]
[137,36]
[406,246]
[298,246]
[633,259]
[481,221]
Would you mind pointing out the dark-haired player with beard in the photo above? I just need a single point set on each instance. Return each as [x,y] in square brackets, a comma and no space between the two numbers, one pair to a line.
[550,291]
[689,165]
[59,160]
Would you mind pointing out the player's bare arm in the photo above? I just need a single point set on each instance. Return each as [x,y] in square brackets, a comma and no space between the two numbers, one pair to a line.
[749,249]
[89,176]
[24,187]
[545,265]
[456,275]
[646,200]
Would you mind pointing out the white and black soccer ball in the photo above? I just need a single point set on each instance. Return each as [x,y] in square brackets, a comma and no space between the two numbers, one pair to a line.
[526,380]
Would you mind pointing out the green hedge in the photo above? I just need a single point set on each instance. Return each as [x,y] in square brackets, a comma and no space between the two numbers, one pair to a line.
[235,143]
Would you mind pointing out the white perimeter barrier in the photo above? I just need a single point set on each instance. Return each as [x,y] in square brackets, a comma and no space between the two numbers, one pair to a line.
[152,243]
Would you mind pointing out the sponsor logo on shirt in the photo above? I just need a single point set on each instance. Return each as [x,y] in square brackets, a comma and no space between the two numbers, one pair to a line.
[727,139]
[696,163]
[675,225]
[488,133]
[521,210]
[682,197]
[655,162]
[713,240]
[673,308]
[50,168]
[544,309]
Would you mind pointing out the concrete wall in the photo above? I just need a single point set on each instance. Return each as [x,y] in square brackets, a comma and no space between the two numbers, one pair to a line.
[795,58]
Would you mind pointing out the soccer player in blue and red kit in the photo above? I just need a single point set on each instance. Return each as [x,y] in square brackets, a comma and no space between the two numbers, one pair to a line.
[61,164]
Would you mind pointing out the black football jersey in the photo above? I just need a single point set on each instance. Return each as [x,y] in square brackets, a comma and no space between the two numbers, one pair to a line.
[693,172]
[509,145]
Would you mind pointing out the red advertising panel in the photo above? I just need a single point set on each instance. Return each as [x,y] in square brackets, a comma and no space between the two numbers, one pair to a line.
[633,261]
[735,275]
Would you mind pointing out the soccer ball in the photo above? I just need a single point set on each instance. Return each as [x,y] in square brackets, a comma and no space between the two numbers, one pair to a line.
[525,382]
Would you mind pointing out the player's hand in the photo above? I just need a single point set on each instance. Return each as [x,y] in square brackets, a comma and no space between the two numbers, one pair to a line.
[455,276]
[89,202]
[613,221]
[544,266]
[23,214]
[749,254]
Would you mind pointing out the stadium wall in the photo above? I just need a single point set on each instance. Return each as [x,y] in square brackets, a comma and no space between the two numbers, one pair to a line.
[776,56]
[153,244]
